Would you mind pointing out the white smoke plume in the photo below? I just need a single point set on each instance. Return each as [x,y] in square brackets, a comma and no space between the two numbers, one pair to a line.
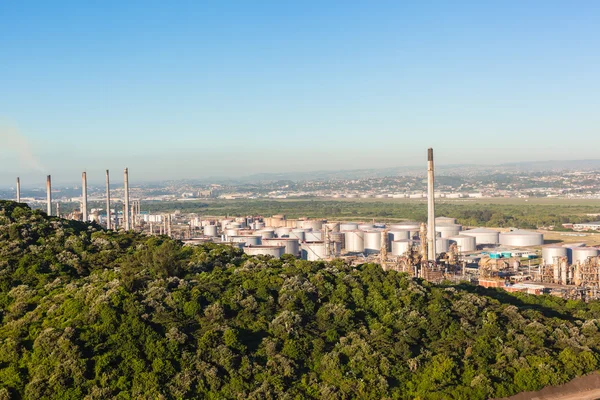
[15,144]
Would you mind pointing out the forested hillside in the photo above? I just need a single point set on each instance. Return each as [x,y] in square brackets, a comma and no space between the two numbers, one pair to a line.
[86,313]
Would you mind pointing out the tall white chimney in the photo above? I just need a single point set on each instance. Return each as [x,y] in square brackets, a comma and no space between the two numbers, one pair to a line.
[48,195]
[430,207]
[18,190]
[108,216]
[84,210]
[126,205]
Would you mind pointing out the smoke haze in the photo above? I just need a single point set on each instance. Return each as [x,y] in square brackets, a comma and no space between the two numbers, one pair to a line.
[14,144]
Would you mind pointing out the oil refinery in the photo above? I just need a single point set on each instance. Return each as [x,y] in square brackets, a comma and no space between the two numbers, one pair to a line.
[436,249]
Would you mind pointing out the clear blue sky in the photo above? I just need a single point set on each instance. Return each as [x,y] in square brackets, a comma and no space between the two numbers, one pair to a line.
[199,88]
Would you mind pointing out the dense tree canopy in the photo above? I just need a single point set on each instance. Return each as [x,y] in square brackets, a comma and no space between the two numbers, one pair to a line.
[87,313]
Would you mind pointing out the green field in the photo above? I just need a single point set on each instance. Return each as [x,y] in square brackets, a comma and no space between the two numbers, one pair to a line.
[521,213]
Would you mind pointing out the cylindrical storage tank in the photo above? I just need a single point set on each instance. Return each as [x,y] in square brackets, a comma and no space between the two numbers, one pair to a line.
[521,238]
[447,231]
[333,226]
[282,231]
[299,234]
[445,221]
[580,254]
[234,225]
[292,246]
[348,226]
[275,251]
[400,247]
[553,253]
[411,226]
[210,230]
[398,235]
[315,225]
[464,243]
[266,233]
[338,237]
[355,241]
[442,245]
[259,225]
[313,251]
[250,240]
[313,236]
[483,236]
[231,232]
[372,240]
[365,227]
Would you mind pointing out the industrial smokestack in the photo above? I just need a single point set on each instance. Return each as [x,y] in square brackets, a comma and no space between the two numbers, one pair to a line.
[126,205]
[108,221]
[84,212]
[18,190]
[48,195]
[430,207]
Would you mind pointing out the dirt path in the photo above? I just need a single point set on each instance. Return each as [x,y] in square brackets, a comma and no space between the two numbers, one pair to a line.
[582,388]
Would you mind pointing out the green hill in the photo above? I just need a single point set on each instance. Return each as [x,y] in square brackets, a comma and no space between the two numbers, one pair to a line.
[86,313]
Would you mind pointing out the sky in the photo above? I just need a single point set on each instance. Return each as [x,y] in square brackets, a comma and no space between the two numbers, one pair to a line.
[177,89]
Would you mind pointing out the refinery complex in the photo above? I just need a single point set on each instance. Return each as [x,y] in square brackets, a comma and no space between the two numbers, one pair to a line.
[438,249]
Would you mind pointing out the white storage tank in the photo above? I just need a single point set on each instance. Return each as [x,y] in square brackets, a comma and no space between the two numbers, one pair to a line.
[442,245]
[282,231]
[259,225]
[445,220]
[275,251]
[448,230]
[250,240]
[315,225]
[411,226]
[231,232]
[266,233]
[234,225]
[313,251]
[551,252]
[313,236]
[211,230]
[366,227]
[483,236]
[355,241]
[348,226]
[292,246]
[581,254]
[400,247]
[372,241]
[464,243]
[521,238]
[297,234]
[398,235]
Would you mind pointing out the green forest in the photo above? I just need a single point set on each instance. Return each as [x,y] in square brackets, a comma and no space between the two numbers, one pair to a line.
[87,313]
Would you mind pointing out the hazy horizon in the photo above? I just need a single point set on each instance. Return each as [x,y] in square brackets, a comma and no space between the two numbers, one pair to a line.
[194,91]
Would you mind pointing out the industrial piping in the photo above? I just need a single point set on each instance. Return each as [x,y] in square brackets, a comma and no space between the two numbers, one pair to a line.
[430,207]
[108,221]
[48,195]
[84,208]
[126,206]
